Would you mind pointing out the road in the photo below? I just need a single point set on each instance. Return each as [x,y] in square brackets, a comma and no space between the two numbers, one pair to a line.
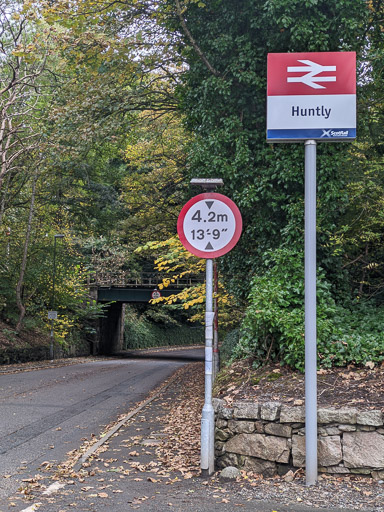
[46,413]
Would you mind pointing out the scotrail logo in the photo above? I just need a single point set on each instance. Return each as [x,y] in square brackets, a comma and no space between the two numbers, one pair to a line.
[334,133]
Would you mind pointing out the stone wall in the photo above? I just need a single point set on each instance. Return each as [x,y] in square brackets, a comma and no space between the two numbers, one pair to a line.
[269,438]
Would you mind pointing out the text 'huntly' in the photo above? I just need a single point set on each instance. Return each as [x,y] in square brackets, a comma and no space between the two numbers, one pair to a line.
[311,112]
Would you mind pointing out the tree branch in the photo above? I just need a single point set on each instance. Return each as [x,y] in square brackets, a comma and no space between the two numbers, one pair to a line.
[193,41]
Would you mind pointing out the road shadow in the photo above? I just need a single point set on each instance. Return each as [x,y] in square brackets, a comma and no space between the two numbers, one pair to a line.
[183,355]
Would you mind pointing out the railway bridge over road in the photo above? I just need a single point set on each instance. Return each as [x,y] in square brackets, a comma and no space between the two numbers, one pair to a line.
[114,292]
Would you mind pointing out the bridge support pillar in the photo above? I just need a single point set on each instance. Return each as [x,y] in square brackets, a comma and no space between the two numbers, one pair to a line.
[112,329]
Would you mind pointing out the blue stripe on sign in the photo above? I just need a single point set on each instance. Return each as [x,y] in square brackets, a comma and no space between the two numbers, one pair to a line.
[325,134]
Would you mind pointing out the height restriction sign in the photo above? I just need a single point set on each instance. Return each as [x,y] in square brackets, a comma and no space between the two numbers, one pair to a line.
[311,96]
[209,225]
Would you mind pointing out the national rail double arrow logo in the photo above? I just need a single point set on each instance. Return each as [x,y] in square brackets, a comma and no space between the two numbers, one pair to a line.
[312,69]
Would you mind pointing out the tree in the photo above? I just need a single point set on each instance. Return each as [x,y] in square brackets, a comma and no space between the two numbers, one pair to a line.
[223,97]
[358,237]
[155,184]
[23,265]
[226,110]
[23,61]
[175,263]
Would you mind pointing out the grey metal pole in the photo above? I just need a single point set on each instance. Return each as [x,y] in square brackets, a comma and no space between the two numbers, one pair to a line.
[51,346]
[310,315]
[208,415]
[51,352]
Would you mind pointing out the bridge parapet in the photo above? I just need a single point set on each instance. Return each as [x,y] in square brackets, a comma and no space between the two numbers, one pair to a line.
[143,280]
[115,290]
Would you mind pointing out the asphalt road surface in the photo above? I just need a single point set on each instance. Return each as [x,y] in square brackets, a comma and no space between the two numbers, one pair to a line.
[46,413]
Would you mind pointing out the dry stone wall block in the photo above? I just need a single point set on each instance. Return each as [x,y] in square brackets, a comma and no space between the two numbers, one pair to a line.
[292,414]
[276,429]
[228,459]
[219,448]
[347,428]
[298,451]
[363,449]
[221,423]
[260,446]
[372,418]
[337,470]
[247,410]
[266,468]
[337,416]
[219,406]
[221,435]
[259,427]
[270,411]
[241,427]
[329,451]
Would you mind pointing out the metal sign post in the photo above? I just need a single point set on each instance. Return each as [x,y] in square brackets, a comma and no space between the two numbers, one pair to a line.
[310,314]
[311,96]
[209,226]
[208,415]
[216,353]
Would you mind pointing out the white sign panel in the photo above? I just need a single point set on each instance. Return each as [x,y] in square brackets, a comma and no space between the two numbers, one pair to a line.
[209,225]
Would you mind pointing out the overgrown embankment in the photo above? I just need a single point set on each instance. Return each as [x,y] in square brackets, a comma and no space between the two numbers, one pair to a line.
[33,345]
[28,345]
[157,329]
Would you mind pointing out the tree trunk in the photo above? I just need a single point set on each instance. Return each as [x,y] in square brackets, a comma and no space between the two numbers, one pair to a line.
[23,265]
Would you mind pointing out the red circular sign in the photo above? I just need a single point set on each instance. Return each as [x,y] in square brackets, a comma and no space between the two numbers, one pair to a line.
[209,225]
[156,294]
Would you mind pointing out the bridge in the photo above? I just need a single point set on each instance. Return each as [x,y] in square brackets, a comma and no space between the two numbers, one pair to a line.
[116,290]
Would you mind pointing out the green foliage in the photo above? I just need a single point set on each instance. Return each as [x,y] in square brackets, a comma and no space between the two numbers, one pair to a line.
[113,158]
[357,336]
[142,332]
[228,115]
[273,328]
[223,99]
[10,335]
[228,346]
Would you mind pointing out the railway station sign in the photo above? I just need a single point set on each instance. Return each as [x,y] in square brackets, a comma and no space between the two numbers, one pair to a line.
[209,225]
[311,96]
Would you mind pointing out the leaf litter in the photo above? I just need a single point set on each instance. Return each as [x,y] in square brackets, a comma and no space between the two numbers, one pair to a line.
[177,458]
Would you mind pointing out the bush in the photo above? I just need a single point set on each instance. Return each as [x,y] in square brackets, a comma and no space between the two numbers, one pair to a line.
[273,328]
[358,336]
[228,346]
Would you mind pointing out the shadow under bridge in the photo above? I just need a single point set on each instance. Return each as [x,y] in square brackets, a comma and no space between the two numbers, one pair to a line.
[115,291]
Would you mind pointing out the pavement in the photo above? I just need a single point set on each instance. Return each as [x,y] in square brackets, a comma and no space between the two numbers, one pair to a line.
[129,469]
